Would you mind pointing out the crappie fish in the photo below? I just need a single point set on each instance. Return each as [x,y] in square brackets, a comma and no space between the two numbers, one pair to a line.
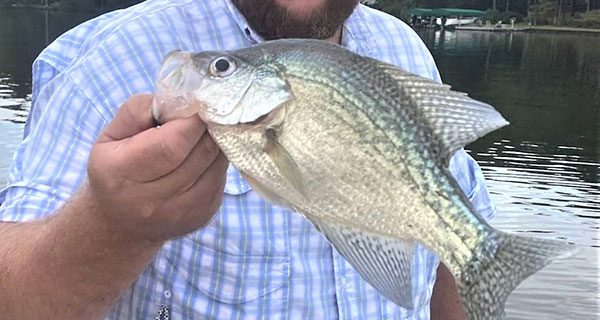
[361,149]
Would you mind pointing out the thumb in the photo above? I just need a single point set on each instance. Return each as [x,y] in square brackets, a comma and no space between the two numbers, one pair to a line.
[133,117]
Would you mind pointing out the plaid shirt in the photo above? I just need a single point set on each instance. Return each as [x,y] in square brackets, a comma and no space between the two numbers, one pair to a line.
[254,260]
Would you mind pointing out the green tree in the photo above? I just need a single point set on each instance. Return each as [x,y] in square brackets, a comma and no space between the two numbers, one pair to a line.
[397,8]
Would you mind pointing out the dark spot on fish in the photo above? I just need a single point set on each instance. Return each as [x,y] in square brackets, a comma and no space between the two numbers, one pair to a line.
[271,134]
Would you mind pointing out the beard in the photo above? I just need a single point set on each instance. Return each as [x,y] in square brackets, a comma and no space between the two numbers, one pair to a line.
[273,21]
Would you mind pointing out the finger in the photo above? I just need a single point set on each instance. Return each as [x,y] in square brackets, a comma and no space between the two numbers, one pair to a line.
[133,117]
[197,162]
[158,151]
[207,192]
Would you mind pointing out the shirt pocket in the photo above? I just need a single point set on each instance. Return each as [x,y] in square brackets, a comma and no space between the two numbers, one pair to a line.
[225,286]
[233,279]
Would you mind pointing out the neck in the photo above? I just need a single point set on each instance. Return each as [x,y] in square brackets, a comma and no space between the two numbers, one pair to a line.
[337,37]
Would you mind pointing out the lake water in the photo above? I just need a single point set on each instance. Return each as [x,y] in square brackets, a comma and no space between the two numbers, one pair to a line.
[543,169]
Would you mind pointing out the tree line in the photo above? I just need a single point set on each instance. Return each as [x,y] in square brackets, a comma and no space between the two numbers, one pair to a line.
[73,5]
[579,13]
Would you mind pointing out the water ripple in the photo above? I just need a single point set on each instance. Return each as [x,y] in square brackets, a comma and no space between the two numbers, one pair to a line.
[12,109]
[549,192]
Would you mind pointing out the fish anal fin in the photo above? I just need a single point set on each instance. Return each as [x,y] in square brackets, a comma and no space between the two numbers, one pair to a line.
[382,262]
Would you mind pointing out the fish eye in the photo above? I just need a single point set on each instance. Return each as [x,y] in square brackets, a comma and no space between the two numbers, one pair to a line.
[222,67]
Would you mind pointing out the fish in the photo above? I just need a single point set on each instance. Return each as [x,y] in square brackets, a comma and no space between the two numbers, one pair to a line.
[360,148]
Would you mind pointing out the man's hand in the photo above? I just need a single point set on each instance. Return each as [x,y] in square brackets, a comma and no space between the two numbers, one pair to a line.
[155,183]
[146,185]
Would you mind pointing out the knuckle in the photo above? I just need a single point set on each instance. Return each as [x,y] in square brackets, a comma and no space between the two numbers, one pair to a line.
[140,99]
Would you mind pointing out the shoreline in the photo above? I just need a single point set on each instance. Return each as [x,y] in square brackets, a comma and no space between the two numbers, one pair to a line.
[559,29]
[521,28]
[29,6]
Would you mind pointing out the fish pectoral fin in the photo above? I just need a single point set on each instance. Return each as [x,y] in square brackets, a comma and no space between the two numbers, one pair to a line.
[384,263]
[265,192]
[284,162]
[453,118]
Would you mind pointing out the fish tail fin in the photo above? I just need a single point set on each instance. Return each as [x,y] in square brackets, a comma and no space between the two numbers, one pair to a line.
[502,262]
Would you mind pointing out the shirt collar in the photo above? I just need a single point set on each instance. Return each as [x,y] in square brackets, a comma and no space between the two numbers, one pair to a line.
[240,20]
[356,34]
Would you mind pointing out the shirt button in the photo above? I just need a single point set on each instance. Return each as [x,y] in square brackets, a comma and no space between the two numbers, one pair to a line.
[167,294]
[346,284]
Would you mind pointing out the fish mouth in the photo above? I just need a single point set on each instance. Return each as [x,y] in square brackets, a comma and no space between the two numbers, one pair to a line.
[167,107]
[273,118]
[171,97]
[155,113]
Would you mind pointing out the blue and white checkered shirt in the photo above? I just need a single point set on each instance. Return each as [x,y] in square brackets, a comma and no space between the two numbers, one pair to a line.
[254,260]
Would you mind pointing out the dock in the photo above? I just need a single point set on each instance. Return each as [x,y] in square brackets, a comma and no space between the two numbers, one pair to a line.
[519,28]
[492,29]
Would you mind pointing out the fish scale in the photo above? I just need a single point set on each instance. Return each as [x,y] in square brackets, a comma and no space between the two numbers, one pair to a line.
[361,149]
[370,208]
[305,93]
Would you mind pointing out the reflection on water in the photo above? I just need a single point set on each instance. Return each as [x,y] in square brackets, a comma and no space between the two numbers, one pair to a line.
[543,170]
[13,113]
[23,35]
[546,85]
[12,108]
[547,195]
[9,139]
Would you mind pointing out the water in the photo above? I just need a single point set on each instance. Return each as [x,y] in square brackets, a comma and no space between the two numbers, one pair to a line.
[23,35]
[543,170]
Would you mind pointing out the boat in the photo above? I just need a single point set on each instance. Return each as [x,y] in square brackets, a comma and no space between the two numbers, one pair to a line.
[446,18]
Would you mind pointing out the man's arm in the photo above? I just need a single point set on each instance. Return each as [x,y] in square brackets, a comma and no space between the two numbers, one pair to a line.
[145,185]
[70,266]
[445,302]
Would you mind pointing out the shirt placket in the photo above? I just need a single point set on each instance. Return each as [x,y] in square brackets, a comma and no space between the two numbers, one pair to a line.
[345,288]
[163,289]
[164,310]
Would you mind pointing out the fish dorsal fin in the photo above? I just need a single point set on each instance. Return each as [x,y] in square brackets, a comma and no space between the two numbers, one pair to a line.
[453,118]
[382,262]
